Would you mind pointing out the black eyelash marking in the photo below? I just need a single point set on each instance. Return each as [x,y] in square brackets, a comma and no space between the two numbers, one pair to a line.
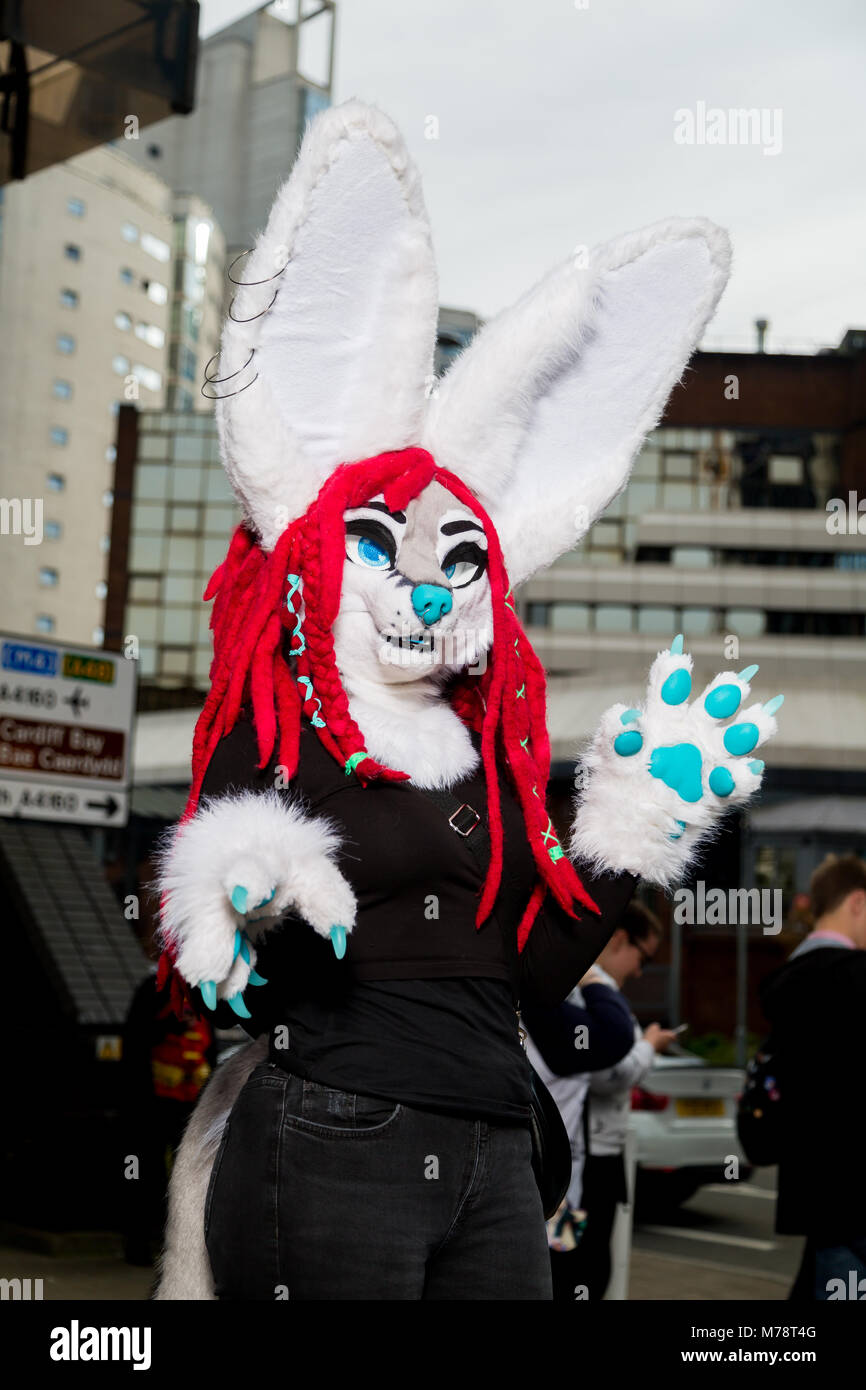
[399,517]
[453,528]
[376,531]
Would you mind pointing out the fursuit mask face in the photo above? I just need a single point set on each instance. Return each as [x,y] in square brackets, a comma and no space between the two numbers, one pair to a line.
[416,597]
[327,358]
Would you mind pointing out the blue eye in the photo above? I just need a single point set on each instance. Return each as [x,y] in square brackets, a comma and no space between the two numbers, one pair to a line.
[449,570]
[372,554]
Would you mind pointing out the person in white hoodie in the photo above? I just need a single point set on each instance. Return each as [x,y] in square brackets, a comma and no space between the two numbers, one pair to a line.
[632,945]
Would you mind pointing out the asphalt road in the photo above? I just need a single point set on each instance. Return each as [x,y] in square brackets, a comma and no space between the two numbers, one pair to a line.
[721,1242]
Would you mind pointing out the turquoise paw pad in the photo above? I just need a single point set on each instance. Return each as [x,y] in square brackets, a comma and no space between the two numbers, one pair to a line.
[628,716]
[679,768]
[721,781]
[723,701]
[677,687]
[679,834]
[741,738]
[628,744]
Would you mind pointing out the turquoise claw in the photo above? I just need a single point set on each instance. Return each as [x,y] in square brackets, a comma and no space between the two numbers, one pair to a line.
[208,993]
[746,675]
[628,716]
[680,832]
[237,942]
[756,766]
[264,902]
[239,899]
[245,951]
[338,941]
[237,1005]
[256,979]
[772,705]
[677,645]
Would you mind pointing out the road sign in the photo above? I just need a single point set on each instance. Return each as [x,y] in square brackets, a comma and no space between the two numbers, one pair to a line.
[65,732]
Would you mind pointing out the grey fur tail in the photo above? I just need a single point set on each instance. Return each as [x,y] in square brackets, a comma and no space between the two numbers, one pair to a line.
[185,1271]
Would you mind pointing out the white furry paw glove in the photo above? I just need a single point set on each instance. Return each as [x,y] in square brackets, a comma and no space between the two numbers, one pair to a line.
[230,872]
[656,781]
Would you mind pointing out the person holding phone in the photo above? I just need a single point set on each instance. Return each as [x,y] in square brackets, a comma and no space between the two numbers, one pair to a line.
[631,947]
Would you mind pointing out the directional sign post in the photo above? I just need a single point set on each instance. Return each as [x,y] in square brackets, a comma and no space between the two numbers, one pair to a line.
[65,732]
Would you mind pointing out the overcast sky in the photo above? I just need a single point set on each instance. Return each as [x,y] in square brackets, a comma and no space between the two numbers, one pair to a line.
[556,128]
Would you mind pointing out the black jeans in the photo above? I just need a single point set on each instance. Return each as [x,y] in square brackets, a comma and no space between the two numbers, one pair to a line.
[320,1194]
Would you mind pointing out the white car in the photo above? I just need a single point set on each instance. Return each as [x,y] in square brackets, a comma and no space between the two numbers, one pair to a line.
[683,1116]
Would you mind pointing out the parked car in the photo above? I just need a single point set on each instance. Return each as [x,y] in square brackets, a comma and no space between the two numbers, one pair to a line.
[684,1119]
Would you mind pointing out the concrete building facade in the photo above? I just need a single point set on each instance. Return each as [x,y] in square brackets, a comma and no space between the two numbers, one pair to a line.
[110,290]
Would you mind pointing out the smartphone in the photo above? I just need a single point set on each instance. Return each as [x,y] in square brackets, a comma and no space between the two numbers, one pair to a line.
[682,1028]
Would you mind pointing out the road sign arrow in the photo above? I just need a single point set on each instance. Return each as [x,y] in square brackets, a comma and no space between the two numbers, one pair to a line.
[109,806]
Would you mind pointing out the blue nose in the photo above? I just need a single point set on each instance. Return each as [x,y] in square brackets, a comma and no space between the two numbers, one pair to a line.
[431,602]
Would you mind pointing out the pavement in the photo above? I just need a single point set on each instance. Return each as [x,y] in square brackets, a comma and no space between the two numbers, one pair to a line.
[82,1275]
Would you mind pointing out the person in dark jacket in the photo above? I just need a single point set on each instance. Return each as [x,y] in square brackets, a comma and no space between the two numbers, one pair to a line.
[815,1005]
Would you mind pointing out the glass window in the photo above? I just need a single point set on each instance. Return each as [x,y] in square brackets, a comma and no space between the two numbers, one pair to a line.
[52,530]
[187,363]
[189,448]
[111,453]
[746,622]
[44,623]
[145,553]
[59,435]
[156,293]
[647,463]
[613,617]
[120,364]
[650,619]
[101,589]
[698,622]
[786,468]
[151,481]
[69,299]
[147,662]
[122,321]
[218,520]
[56,482]
[65,343]
[71,251]
[180,589]
[149,333]
[536,614]
[108,498]
[48,577]
[98,636]
[62,389]
[143,590]
[114,407]
[677,497]
[129,232]
[217,486]
[692,556]
[186,484]
[149,377]
[569,617]
[75,206]
[640,497]
[126,275]
[104,544]
[679,465]
[182,554]
[184,519]
[177,625]
[153,446]
[160,250]
[142,621]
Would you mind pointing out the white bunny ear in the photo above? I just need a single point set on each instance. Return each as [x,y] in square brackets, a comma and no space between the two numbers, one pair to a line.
[544,413]
[325,357]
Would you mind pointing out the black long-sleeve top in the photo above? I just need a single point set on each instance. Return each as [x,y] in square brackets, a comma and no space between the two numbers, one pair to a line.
[421,1008]
[609,1031]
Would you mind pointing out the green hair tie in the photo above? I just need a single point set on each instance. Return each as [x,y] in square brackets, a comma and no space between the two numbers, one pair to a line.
[556,852]
[352,763]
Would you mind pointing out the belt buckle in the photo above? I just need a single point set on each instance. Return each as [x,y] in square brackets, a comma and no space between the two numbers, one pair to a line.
[452,819]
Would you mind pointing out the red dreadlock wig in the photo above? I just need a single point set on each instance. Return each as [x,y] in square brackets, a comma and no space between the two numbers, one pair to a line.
[258,601]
